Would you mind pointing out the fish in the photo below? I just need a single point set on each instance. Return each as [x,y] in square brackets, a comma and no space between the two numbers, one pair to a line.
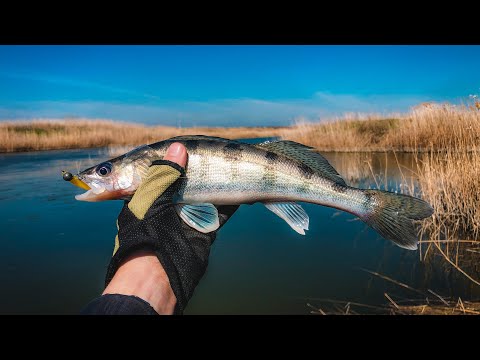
[278,173]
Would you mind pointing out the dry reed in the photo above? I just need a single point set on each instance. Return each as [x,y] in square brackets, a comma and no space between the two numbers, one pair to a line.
[397,307]
[82,133]
[424,303]
[422,129]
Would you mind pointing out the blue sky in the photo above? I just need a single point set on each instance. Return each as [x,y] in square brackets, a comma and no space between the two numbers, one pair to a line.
[229,85]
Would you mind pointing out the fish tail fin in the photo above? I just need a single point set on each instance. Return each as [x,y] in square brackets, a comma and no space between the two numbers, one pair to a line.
[392,216]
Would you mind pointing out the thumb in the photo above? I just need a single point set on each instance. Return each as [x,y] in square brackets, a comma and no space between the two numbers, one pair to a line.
[177,153]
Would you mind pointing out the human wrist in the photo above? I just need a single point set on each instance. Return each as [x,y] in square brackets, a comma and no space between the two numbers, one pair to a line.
[141,274]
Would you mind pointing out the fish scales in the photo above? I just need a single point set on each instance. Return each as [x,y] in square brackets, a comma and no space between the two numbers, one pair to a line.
[228,172]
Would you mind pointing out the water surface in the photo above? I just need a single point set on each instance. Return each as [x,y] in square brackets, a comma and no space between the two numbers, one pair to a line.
[54,250]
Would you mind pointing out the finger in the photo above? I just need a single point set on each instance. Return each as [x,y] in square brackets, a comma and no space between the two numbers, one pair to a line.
[177,153]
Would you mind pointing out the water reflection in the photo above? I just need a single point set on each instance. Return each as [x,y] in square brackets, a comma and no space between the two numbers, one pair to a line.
[380,170]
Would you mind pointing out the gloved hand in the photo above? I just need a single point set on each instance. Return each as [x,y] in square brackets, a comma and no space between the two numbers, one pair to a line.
[150,222]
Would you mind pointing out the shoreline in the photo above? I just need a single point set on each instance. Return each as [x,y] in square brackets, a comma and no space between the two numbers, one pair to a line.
[55,134]
[425,129]
[389,151]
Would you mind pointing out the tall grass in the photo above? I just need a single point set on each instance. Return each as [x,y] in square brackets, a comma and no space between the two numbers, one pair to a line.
[84,133]
[422,129]
[448,179]
[346,134]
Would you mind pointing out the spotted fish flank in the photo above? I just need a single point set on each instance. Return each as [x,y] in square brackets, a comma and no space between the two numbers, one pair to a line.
[339,187]
[279,173]
[233,151]
[191,145]
[306,171]
[271,157]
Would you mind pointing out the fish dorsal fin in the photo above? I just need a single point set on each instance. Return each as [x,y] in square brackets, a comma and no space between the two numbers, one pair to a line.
[292,213]
[305,154]
[199,137]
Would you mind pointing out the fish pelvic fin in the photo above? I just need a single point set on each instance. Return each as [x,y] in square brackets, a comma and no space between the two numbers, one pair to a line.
[393,216]
[306,155]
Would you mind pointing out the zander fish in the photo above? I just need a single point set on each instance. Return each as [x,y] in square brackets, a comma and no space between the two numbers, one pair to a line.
[276,173]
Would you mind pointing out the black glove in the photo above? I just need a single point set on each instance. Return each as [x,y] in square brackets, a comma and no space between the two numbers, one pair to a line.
[150,222]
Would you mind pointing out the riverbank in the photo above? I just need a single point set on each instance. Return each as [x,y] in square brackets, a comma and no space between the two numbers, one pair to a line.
[56,134]
[425,128]
[429,127]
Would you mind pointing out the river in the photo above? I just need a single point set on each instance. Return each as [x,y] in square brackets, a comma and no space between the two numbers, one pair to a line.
[54,250]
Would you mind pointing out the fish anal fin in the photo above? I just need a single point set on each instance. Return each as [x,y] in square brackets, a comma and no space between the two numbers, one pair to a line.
[292,213]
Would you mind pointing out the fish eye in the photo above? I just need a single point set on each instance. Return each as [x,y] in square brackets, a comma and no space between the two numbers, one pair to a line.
[104,169]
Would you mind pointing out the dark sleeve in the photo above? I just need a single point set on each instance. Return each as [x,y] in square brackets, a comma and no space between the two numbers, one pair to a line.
[117,304]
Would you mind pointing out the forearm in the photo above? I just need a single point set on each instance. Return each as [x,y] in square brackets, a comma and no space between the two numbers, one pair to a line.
[142,275]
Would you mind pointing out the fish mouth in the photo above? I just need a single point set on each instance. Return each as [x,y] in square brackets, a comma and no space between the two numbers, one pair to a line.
[95,192]
[87,196]
[93,195]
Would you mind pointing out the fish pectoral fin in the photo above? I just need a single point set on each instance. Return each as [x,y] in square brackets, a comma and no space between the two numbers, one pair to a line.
[292,213]
[202,217]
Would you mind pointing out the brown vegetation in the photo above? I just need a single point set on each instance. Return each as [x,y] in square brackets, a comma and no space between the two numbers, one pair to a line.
[422,129]
[447,178]
[83,133]
[425,128]
[425,303]
[405,307]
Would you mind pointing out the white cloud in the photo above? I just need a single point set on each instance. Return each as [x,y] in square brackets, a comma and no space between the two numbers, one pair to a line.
[223,112]
[58,80]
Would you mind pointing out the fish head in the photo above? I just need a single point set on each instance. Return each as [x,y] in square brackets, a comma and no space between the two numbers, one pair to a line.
[117,178]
